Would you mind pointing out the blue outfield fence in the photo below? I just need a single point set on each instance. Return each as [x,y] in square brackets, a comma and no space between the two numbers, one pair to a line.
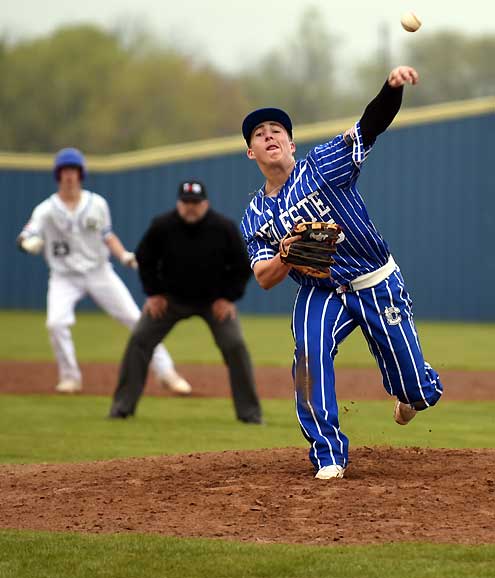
[428,184]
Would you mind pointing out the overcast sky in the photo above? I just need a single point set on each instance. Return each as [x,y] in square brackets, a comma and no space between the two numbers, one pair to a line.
[230,32]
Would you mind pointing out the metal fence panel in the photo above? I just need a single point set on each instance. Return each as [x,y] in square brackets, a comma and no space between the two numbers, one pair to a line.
[429,188]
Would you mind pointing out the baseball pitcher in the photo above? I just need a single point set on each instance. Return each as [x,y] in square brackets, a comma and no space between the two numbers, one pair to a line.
[309,221]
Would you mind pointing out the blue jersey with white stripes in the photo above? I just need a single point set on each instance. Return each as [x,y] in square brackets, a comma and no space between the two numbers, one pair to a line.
[321,187]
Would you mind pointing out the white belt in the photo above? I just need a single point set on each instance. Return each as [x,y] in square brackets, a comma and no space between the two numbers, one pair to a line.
[370,279]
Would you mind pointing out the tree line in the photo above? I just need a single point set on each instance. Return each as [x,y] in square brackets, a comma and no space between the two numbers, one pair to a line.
[106,91]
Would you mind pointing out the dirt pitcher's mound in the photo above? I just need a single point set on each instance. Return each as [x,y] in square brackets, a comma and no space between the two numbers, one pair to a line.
[389,495]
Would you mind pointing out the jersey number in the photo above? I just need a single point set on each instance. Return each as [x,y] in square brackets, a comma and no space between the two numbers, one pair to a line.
[60,248]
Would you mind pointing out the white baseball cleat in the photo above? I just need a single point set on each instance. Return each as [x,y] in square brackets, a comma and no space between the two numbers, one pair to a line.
[176,383]
[330,472]
[68,386]
[403,413]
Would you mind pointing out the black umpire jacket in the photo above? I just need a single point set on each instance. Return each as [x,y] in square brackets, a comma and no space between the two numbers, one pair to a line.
[193,264]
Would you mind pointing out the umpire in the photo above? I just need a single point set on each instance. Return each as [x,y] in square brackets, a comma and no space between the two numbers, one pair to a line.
[192,261]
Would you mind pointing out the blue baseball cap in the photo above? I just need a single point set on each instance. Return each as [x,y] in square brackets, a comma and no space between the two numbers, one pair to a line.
[261,115]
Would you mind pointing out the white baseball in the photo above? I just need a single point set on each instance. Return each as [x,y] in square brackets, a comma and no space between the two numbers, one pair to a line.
[410,22]
[33,245]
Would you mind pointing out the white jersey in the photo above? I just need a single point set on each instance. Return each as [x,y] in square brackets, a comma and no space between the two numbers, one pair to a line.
[73,240]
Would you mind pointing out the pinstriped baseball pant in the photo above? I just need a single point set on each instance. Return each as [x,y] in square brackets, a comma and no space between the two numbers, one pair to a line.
[322,319]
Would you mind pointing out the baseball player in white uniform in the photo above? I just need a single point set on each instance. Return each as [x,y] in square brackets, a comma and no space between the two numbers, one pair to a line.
[73,229]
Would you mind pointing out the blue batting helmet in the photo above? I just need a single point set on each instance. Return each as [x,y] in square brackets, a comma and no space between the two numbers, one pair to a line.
[69,157]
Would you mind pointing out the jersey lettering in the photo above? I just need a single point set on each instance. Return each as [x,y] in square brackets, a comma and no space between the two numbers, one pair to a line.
[321,187]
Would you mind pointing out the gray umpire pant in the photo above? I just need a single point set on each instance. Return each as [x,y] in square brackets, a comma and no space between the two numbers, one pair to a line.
[149,332]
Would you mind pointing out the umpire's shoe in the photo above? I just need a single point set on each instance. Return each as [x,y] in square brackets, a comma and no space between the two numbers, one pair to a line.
[118,414]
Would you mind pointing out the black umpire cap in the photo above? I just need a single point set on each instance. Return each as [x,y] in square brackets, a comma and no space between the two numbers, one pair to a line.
[261,115]
[192,191]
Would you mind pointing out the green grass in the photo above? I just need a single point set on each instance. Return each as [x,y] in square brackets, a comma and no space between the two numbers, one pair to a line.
[50,555]
[61,429]
[37,429]
[98,338]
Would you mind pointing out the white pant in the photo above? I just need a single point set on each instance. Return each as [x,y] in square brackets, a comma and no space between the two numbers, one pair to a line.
[109,292]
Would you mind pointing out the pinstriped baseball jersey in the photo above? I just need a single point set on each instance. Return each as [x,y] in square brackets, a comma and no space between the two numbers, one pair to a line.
[321,187]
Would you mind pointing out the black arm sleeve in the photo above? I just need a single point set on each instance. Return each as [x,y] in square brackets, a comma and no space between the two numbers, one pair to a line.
[380,112]
[238,269]
[148,260]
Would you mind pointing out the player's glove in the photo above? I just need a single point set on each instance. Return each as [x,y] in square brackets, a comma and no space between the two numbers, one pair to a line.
[313,253]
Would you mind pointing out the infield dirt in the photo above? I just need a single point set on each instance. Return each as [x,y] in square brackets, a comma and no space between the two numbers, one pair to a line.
[389,495]
[211,381]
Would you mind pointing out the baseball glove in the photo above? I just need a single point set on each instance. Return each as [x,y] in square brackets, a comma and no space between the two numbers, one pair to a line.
[313,253]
